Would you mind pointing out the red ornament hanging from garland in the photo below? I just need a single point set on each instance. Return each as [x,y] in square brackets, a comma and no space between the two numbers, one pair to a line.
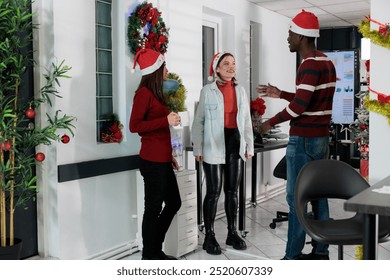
[40,157]
[30,113]
[65,139]
[147,29]
[6,146]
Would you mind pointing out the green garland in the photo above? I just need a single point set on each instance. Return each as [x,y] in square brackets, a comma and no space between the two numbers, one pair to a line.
[375,36]
[147,29]
[378,107]
[381,38]
[176,100]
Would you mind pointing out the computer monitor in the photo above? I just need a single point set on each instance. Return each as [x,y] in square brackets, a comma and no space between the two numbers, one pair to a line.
[346,63]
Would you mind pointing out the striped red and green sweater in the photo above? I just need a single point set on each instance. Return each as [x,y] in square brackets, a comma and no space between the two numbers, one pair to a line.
[310,108]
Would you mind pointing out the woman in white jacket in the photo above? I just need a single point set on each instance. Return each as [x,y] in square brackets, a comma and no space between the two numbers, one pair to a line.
[223,139]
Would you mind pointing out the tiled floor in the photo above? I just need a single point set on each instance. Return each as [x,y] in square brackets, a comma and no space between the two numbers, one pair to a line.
[264,242]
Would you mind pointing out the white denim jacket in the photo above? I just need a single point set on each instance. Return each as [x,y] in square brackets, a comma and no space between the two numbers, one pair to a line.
[208,125]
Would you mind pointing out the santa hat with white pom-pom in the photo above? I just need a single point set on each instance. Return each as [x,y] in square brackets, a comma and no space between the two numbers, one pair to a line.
[213,65]
[148,61]
[306,24]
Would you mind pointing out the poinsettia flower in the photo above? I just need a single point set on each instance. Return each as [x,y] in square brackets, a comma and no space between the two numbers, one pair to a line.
[118,135]
[151,36]
[141,12]
[258,106]
[154,21]
[162,39]
[113,133]
[150,15]
[157,46]
[114,127]
[367,65]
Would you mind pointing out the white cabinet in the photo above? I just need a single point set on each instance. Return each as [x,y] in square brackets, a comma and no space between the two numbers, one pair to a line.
[182,236]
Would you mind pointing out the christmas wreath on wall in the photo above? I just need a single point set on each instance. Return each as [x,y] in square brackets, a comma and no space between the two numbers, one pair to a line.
[147,29]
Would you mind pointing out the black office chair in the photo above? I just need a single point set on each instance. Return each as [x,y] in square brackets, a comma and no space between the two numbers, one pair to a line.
[333,179]
[280,171]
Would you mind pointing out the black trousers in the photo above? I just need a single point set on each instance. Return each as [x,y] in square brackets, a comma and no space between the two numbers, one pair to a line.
[160,188]
[227,175]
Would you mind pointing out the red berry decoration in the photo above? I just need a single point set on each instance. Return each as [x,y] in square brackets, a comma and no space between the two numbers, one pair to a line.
[30,113]
[40,157]
[6,146]
[65,139]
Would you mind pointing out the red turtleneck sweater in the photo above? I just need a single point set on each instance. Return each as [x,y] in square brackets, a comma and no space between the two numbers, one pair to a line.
[230,104]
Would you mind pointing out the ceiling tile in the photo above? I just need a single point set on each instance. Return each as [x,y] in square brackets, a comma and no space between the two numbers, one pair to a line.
[333,13]
[285,4]
[338,24]
[329,2]
[346,7]
[357,14]
[293,12]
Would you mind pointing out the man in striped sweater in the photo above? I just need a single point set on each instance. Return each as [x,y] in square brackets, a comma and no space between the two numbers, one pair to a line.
[309,112]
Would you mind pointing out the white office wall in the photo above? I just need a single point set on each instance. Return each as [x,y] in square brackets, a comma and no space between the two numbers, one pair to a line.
[74,217]
[85,218]
[379,80]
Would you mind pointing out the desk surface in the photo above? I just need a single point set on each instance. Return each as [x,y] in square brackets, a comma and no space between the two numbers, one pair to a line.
[269,146]
[370,202]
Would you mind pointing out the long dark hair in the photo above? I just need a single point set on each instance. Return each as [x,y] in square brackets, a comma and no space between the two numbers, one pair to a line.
[218,78]
[154,82]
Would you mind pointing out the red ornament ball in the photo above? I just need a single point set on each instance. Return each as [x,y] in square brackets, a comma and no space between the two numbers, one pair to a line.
[65,139]
[30,113]
[40,157]
[6,146]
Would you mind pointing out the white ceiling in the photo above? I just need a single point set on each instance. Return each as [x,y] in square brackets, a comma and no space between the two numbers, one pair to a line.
[331,13]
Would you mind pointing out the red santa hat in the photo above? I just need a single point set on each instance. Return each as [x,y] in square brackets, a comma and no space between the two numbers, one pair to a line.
[148,61]
[306,24]
[213,65]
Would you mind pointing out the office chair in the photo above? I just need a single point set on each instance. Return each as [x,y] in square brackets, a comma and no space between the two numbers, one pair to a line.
[333,179]
[280,171]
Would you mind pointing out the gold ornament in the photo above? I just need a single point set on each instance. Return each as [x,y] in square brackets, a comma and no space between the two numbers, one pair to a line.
[359,252]
[378,107]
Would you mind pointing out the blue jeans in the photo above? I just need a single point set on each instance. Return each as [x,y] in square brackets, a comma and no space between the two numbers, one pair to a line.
[301,150]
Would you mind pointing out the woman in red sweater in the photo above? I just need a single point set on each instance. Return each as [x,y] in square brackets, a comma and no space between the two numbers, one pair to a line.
[150,118]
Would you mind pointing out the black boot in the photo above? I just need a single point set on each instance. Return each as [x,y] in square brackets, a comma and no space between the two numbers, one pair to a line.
[213,176]
[233,239]
[163,256]
[211,245]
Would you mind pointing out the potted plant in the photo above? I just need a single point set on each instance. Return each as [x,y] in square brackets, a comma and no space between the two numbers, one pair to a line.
[176,93]
[18,135]
[257,107]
